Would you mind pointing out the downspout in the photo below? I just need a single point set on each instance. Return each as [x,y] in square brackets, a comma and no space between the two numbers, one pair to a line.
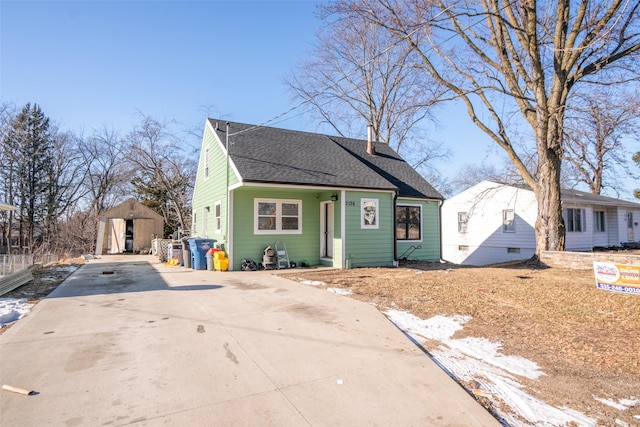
[395,238]
[226,228]
[440,202]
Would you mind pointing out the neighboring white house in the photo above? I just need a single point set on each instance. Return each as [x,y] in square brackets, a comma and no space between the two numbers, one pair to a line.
[492,222]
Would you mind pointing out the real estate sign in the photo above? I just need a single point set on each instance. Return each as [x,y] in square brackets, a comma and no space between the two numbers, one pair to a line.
[617,277]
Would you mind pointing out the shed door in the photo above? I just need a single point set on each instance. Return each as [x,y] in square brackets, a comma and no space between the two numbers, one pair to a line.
[128,240]
[326,230]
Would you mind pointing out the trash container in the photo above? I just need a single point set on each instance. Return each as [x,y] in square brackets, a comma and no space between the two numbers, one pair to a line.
[199,249]
[220,261]
[209,257]
[186,253]
[175,251]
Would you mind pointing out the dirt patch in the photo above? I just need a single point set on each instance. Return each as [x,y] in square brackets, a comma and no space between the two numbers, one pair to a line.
[585,340]
[45,280]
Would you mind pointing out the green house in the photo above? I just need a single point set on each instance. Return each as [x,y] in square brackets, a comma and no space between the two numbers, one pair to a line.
[327,200]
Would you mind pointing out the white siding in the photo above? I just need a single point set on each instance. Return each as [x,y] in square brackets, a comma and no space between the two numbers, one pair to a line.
[485,242]
[579,240]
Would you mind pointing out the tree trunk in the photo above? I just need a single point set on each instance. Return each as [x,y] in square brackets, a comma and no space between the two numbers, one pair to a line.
[550,230]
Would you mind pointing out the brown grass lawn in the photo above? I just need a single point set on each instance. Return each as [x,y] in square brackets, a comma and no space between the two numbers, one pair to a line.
[585,340]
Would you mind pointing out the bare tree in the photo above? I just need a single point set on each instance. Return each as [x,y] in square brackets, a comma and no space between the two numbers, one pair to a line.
[596,127]
[107,174]
[517,62]
[358,75]
[63,179]
[164,176]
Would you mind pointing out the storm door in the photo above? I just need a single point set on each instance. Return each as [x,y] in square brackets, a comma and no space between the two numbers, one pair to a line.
[326,230]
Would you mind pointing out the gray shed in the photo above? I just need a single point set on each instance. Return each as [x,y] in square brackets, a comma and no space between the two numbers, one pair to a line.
[128,227]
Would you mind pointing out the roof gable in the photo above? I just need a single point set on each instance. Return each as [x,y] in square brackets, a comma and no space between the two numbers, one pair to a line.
[133,209]
[281,156]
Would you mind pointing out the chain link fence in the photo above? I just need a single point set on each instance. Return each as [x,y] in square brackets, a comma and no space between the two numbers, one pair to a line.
[12,263]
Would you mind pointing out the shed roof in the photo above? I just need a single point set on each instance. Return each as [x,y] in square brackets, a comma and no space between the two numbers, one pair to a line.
[132,209]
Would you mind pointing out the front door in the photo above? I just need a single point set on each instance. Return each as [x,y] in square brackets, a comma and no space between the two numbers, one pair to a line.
[630,236]
[326,230]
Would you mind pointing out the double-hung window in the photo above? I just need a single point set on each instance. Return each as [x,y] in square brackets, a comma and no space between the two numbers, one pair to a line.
[463,222]
[206,163]
[599,221]
[277,216]
[575,219]
[508,221]
[408,222]
[217,217]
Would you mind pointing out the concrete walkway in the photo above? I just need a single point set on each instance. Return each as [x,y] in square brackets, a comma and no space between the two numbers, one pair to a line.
[128,340]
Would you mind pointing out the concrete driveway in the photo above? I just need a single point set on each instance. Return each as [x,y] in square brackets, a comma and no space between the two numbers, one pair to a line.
[128,340]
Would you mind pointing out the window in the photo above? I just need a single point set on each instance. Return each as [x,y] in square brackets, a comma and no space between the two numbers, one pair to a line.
[408,222]
[508,221]
[513,250]
[575,219]
[369,213]
[206,163]
[217,217]
[205,211]
[463,221]
[278,216]
[598,221]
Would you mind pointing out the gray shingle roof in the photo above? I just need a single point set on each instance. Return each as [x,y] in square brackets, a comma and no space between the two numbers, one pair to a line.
[581,197]
[281,156]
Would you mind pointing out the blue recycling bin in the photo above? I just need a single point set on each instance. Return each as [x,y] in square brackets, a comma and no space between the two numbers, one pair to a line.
[199,248]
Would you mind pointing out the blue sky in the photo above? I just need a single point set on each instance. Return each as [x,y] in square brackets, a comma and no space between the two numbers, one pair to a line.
[90,64]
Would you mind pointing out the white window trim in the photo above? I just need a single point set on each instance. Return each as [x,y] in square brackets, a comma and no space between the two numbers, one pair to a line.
[596,223]
[583,220]
[411,205]
[206,163]
[278,229]
[217,219]
[506,226]
[376,205]
[463,228]
[205,218]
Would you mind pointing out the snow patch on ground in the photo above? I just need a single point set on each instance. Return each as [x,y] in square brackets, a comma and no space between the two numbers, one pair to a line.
[312,282]
[12,309]
[340,291]
[621,405]
[480,360]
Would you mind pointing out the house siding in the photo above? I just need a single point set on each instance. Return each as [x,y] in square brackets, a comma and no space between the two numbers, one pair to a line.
[579,240]
[247,244]
[428,248]
[369,247]
[212,189]
[485,242]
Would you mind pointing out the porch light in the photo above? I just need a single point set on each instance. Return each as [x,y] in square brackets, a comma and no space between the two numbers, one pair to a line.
[334,197]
